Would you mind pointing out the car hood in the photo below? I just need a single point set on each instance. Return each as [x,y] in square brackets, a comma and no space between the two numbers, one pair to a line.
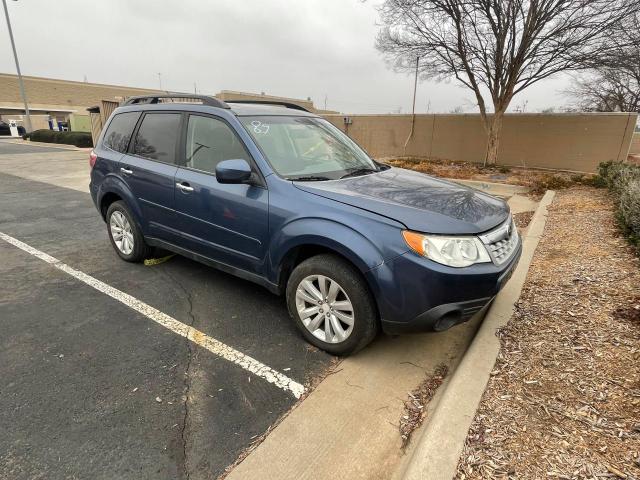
[420,202]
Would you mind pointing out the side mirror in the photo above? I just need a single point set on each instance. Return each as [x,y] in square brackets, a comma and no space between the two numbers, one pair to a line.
[233,171]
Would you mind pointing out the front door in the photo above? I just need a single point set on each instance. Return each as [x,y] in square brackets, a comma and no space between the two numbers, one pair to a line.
[225,222]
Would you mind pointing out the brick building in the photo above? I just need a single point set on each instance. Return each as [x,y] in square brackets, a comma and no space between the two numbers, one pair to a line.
[57,100]
[66,101]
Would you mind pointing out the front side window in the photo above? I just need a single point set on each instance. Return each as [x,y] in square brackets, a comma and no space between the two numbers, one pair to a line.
[158,136]
[119,131]
[210,141]
[307,148]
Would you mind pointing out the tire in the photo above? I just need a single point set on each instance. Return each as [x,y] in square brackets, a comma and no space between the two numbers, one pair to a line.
[116,212]
[344,339]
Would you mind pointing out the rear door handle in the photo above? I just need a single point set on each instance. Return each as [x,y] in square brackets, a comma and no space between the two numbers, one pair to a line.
[126,171]
[185,187]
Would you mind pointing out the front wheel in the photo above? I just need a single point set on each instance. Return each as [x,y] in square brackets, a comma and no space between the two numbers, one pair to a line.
[331,304]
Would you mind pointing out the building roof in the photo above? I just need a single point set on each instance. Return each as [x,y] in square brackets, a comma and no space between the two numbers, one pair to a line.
[247,109]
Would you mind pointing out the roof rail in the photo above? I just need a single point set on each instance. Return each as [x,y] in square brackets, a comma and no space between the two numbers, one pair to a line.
[294,106]
[154,99]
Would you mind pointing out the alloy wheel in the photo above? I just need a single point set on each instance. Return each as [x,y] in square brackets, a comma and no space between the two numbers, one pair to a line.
[324,308]
[121,232]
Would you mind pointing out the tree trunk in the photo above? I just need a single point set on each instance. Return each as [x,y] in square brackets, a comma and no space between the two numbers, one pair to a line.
[493,140]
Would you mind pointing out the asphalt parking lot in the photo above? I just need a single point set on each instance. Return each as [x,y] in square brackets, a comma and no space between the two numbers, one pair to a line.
[92,388]
[118,370]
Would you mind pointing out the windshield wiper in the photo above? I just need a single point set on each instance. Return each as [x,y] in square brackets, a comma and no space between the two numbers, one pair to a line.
[308,178]
[359,171]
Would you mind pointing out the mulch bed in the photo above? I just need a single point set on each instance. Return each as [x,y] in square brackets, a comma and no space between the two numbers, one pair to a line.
[523,219]
[537,180]
[564,397]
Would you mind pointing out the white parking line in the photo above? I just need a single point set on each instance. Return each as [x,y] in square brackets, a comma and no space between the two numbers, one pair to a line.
[196,336]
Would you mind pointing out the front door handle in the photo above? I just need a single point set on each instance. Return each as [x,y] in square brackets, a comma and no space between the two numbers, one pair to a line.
[126,171]
[185,187]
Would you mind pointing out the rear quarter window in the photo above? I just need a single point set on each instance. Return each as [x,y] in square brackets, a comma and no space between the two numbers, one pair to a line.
[119,131]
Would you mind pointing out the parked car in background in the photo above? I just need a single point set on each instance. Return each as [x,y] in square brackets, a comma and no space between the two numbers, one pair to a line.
[5,129]
[279,196]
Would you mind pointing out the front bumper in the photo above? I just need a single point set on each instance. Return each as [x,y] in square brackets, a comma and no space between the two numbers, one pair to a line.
[415,294]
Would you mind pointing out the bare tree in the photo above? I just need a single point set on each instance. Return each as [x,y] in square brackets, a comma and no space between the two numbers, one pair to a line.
[498,47]
[607,90]
[614,82]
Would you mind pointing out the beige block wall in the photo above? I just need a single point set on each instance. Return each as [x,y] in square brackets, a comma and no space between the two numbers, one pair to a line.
[635,144]
[226,95]
[232,95]
[561,141]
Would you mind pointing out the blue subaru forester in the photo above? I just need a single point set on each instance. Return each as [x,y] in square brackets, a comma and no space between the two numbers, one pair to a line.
[279,196]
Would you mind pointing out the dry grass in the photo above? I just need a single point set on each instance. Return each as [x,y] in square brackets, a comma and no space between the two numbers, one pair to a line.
[564,397]
[414,407]
[537,180]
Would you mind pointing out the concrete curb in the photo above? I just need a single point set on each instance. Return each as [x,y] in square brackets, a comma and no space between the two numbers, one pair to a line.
[61,146]
[436,454]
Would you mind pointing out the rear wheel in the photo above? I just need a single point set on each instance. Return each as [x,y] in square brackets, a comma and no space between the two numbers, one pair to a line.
[331,304]
[126,238]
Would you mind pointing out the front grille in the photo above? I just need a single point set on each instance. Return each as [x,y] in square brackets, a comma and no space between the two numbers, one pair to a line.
[502,241]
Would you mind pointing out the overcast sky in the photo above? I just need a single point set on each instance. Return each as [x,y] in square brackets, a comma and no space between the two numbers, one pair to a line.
[295,48]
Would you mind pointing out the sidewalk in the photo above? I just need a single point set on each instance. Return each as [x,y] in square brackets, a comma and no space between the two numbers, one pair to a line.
[348,427]
[62,146]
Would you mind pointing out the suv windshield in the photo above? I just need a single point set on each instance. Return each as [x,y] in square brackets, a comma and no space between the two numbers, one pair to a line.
[307,148]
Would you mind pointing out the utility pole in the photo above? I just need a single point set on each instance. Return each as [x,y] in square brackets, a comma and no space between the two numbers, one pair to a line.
[195,88]
[413,110]
[415,87]
[15,56]
[159,78]
[325,101]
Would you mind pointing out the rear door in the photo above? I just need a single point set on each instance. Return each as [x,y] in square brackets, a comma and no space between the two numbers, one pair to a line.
[225,222]
[149,169]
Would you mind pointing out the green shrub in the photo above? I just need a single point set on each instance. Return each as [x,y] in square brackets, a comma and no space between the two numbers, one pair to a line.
[594,181]
[623,179]
[617,175]
[603,169]
[629,207]
[79,139]
[45,135]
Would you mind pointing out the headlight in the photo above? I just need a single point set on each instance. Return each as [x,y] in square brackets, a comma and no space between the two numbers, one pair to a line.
[451,251]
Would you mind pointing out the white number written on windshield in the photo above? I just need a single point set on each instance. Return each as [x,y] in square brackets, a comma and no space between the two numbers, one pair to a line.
[259,127]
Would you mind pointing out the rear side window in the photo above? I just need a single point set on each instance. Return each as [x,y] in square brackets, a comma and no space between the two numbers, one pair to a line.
[158,136]
[210,141]
[119,131]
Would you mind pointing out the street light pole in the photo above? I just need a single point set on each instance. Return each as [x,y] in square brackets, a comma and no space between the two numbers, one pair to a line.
[15,56]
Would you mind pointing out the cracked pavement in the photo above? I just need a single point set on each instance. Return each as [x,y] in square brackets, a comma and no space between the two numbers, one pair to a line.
[81,372]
